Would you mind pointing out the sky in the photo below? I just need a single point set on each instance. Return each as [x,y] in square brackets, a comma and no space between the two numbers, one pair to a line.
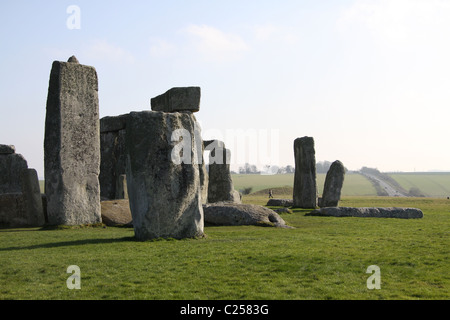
[369,80]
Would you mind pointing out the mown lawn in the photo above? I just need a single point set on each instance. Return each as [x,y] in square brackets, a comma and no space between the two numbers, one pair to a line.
[322,258]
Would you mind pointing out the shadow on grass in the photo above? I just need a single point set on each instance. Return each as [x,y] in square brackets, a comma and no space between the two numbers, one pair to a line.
[70,243]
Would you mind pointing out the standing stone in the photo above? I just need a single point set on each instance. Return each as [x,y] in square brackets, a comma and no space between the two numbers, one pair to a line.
[164,193]
[72,145]
[113,155]
[11,166]
[121,187]
[305,185]
[333,185]
[220,184]
[33,199]
[177,100]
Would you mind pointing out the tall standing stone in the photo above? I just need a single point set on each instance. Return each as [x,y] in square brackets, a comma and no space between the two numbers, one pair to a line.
[220,184]
[305,184]
[72,145]
[164,180]
[333,185]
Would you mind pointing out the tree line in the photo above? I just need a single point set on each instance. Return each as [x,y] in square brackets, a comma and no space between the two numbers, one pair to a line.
[321,167]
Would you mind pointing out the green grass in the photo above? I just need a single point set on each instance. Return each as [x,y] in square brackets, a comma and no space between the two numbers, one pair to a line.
[431,184]
[354,184]
[322,258]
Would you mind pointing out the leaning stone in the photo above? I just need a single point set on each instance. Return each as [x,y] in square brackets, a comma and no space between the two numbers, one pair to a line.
[333,185]
[72,145]
[165,196]
[400,213]
[6,149]
[305,185]
[233,214]
[177,99]
[280,202]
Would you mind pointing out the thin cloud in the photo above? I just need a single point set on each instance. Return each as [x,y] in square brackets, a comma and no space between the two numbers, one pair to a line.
[105,51]
[215,44]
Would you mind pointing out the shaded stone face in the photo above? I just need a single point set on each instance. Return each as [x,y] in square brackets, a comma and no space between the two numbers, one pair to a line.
[333,185]
[72,145]
[177,100]
[11,166]
[305,185]
[7,149]
[220,183]
[165,196]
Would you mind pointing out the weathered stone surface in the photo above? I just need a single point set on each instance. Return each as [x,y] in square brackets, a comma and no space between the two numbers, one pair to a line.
[280,202]
[110,124]
[233,214]
[7,149]
[220,184]
[72,145]
[73,59]
[121,187]
[165,197]
[113,162]
[13,210]
[178,99]
[333,185]
[400,213]
[305,185]
[11,166]
[33,199]
[116,213]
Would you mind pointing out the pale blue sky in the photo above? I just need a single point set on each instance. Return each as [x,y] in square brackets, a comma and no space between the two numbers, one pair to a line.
[368,79]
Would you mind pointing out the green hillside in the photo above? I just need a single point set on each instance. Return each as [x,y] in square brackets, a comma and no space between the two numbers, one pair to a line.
[429,183]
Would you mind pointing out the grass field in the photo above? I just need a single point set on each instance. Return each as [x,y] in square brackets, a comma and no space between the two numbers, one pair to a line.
[431,184]
[354,184]
[322,258]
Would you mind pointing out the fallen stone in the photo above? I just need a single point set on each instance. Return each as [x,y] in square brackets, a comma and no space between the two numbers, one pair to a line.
[367,212]
[178,99]
[6,149]
[164,194]
[280,202]
[233,214]
[305,184]
[72,145]
[116,213]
